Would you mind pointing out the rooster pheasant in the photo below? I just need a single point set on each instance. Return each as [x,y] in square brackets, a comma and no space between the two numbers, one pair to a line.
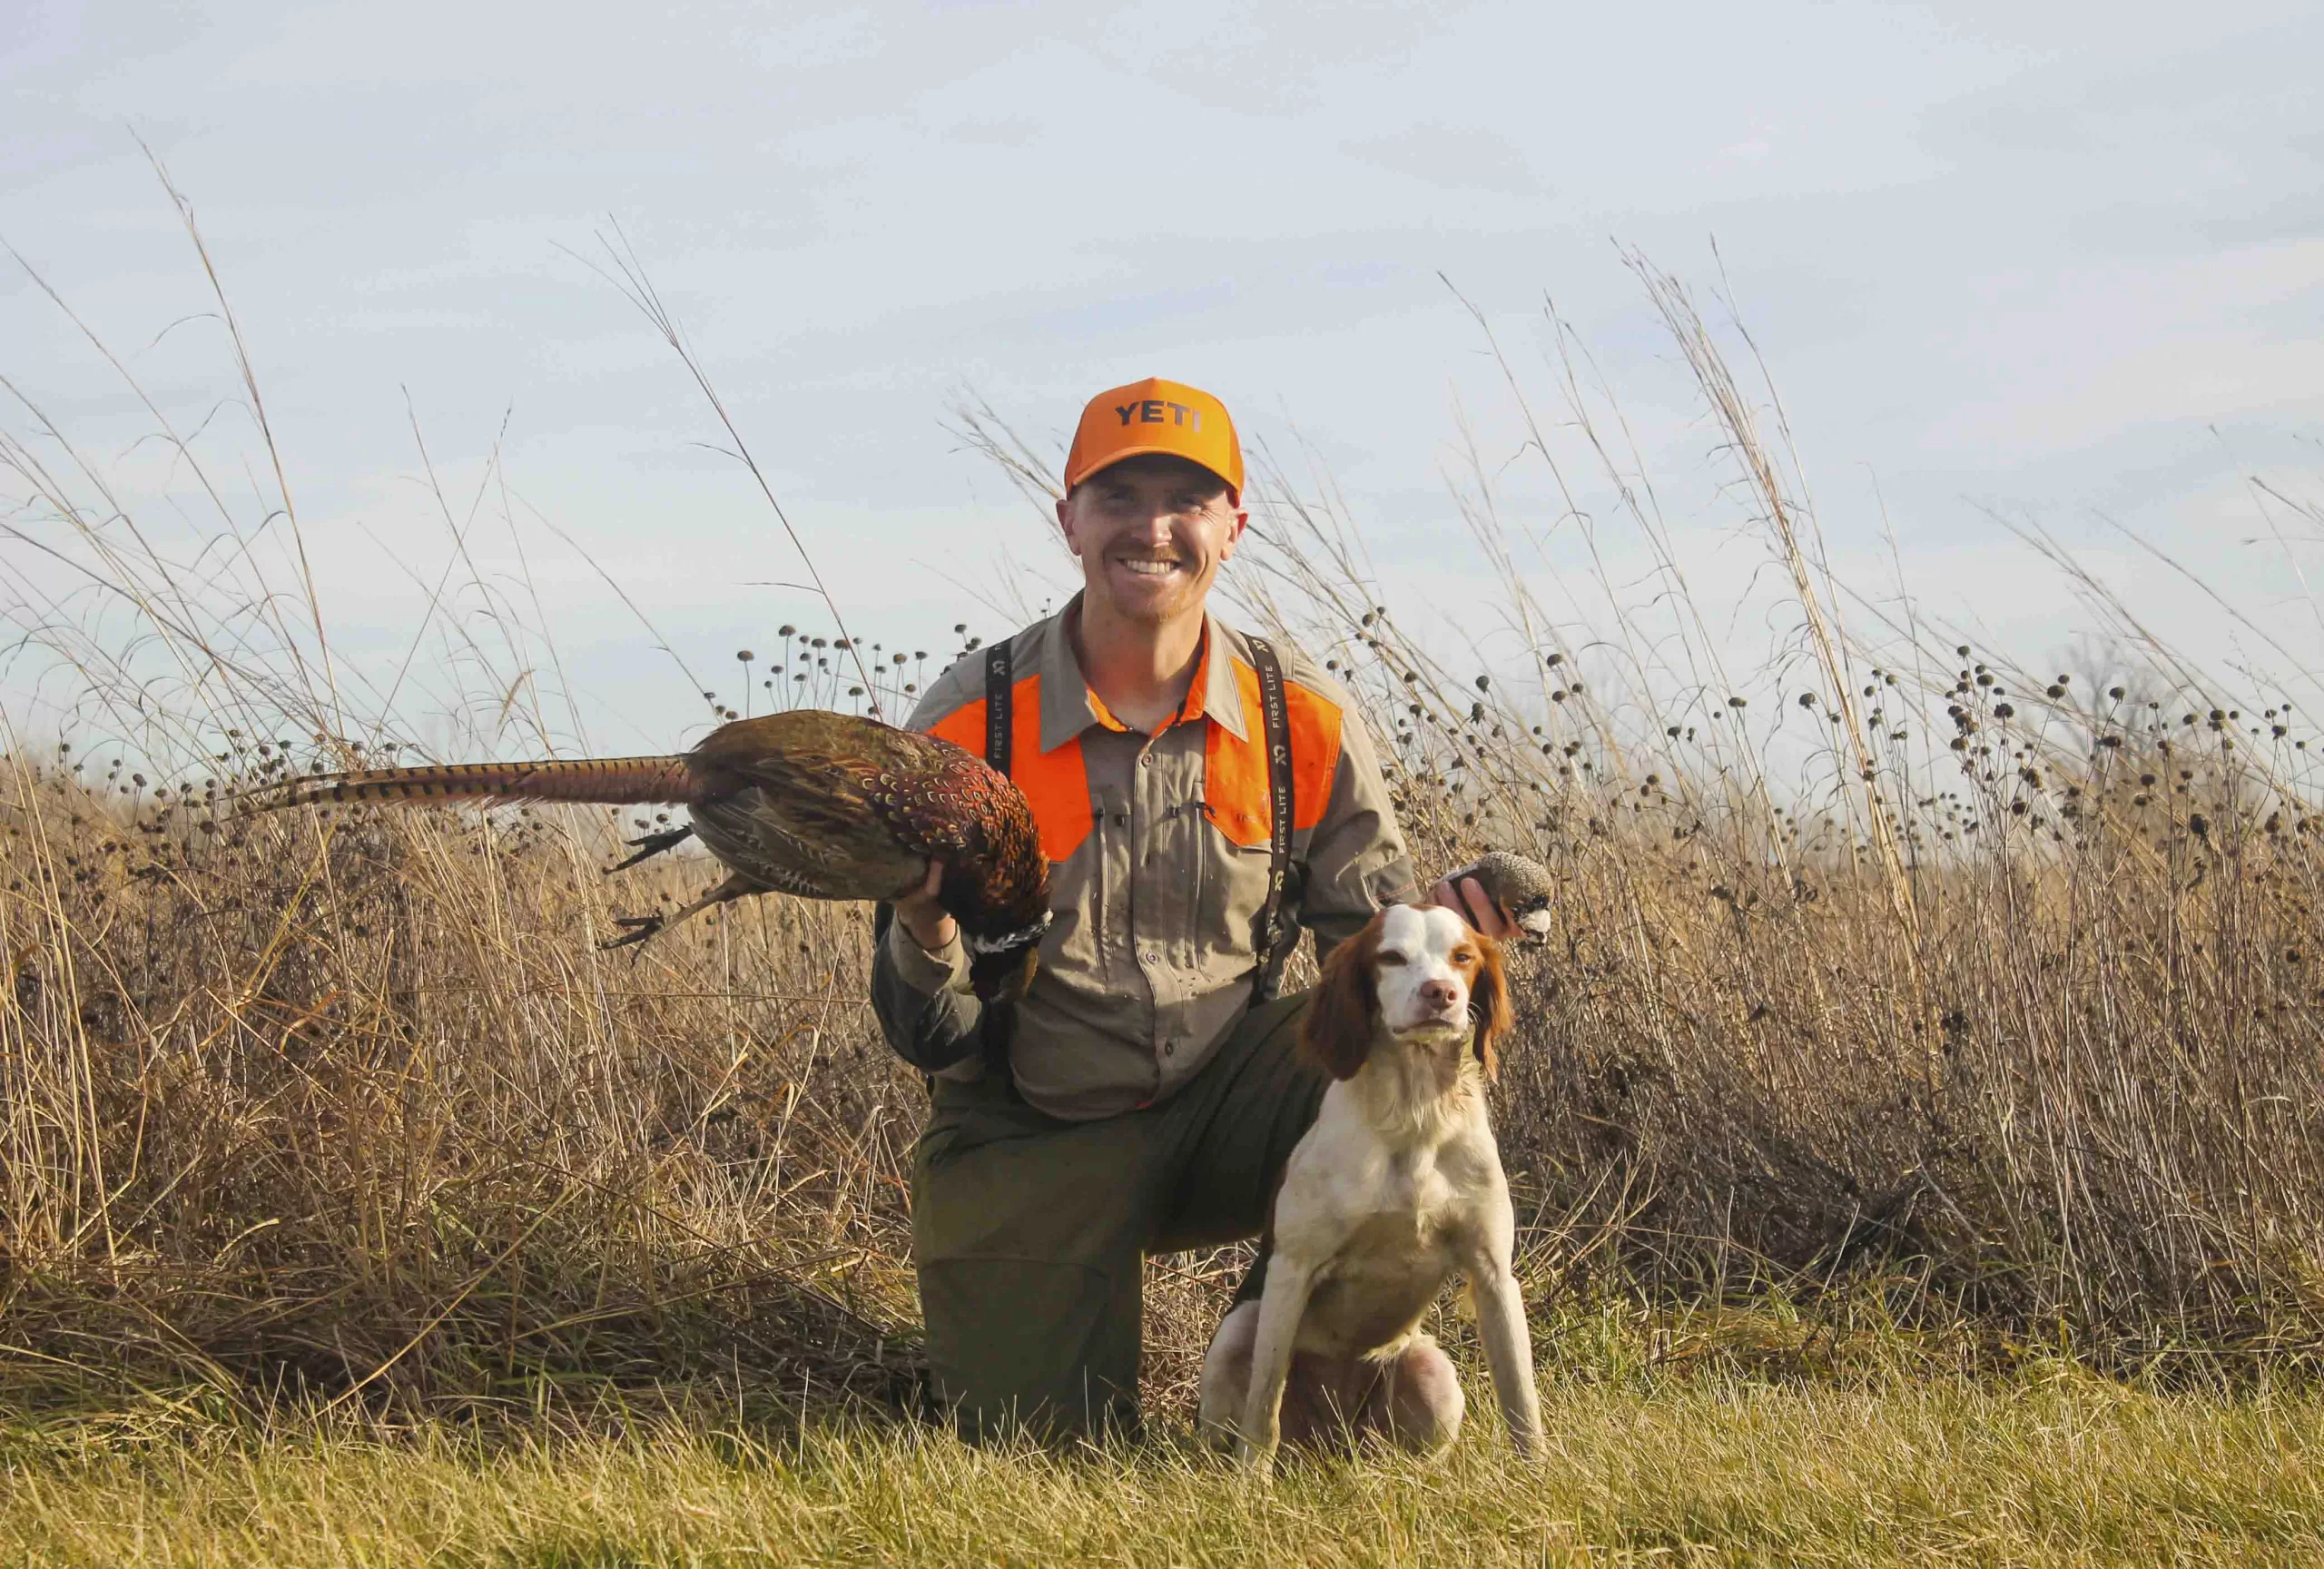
[818,804]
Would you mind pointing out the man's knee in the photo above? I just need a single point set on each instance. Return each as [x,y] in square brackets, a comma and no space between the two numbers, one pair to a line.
[1025,1236]
[1023,1345]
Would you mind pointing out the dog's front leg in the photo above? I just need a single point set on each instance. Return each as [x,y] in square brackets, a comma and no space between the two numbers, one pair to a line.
[1281,1307]
[1227,1375]
[1509,1347]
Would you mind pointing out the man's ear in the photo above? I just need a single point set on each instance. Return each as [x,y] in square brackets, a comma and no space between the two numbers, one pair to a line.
[1337,1034]
[1065,522]
[1488,1000]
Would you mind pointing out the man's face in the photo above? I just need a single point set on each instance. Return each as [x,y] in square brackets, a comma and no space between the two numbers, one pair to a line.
[1151,532]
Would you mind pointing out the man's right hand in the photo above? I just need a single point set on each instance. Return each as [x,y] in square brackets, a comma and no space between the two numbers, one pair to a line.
[925,920]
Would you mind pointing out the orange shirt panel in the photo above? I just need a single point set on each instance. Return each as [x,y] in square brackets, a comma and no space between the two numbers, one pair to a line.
[1235,773]
[1234,783]
[1055,784]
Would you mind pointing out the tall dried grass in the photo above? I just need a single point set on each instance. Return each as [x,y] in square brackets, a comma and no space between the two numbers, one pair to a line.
[2004,1018]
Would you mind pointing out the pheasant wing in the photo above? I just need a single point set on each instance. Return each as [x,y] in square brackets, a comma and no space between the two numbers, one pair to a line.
[749,832]
[860,808]
[801,808]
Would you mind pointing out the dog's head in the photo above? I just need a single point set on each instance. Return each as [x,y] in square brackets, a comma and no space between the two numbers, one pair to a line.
[1415,975]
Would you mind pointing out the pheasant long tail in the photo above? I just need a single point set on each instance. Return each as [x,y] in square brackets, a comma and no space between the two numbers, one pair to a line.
[606,781]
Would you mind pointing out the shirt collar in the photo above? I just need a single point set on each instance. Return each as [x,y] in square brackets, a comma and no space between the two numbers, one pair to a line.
[1220,692]
[1069,706]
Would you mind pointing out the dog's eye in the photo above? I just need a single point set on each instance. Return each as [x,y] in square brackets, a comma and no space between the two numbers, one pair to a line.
[1465,957]
[1389,961]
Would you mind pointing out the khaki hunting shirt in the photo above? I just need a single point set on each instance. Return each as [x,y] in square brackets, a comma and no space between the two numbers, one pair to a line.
[1159,849]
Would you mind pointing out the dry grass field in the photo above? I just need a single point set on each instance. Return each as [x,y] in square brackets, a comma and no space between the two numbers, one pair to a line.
[1655,1463]
[1916,1127]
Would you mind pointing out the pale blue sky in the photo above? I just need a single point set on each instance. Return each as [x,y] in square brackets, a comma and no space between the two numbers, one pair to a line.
[2062,261]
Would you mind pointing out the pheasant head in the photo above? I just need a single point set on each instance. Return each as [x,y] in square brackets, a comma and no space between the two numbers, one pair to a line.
[999,889]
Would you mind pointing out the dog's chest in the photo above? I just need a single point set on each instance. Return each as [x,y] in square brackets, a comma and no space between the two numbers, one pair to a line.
[1388,1237]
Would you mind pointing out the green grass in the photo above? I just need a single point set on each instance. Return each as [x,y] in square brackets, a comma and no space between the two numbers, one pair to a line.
[2050,1466]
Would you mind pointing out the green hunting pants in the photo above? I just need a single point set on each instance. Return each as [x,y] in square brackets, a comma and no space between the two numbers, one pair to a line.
[1029,1232]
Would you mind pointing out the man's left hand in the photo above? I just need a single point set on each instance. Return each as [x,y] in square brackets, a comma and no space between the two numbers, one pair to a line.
[1466,897]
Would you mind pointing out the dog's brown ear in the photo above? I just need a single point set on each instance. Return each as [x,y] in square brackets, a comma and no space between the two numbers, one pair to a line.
[1489,1000]
[1337,1034]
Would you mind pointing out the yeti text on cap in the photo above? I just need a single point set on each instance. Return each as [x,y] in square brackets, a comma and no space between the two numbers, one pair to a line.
[1149,412]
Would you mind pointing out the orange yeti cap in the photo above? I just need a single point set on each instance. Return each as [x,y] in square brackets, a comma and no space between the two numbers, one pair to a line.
[1156,416]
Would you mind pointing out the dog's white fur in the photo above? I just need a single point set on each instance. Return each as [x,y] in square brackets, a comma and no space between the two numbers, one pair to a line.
[1396,1188]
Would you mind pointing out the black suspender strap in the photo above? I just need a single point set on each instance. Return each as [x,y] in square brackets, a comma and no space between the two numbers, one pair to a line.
[999,1024]
[999,722]
[1266,938]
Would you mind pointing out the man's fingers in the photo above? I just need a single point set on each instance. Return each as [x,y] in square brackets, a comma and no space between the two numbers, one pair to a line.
[921,913]
[1466,897]
[1483,914]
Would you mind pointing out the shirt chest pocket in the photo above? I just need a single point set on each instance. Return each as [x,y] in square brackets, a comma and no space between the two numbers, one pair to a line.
[1236,844]
[1234,886]
[1088,932]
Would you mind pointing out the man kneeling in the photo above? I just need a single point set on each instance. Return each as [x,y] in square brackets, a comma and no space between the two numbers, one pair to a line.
[1202,794]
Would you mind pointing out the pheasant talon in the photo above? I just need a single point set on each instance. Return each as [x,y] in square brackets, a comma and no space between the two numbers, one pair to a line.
[654,843]
[640,929]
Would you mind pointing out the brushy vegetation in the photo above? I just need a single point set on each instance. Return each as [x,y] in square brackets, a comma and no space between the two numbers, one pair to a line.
[1995,1018]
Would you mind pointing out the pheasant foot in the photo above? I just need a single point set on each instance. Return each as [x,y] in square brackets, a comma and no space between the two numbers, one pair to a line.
[654,844]
[639,927]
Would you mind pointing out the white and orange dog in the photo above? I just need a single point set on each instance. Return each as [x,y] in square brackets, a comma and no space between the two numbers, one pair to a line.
[1397,1188]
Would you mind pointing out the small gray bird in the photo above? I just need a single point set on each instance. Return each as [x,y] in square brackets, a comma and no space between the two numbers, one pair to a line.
[1520,885]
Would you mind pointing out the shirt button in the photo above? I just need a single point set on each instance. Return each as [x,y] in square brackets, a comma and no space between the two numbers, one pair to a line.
[1169,1048]
[1146,760]
[1150,957]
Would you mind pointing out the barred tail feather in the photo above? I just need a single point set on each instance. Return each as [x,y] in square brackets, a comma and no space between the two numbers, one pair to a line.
[602,781]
